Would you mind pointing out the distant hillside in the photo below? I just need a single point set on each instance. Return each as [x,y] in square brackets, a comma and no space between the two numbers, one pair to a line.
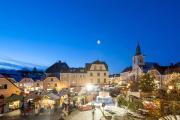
[18,69]
[11,64]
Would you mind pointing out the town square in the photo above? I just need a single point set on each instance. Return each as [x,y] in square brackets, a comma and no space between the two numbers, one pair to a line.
[89,60]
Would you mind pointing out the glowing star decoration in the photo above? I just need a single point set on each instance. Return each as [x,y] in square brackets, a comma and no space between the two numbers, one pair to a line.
[98,42]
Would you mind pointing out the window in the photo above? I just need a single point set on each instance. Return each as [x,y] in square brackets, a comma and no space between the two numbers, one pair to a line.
[48,84]
[98,80]
[3,86]
[104,74]
[98,74]
[37,84]
[104,80]
[91,74]
[51,79]
[55,84]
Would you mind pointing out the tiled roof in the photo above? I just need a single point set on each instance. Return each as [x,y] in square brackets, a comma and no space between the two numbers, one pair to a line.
[58,67]
[177,64]
[88,65]
[162,69]
[77,70]
[114,75]
[148,66]
[127,69]
[168,69]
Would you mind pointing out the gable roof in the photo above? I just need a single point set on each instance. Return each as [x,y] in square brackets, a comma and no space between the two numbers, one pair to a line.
[162,69]
[177,64]
[148,66]
[27,80]
[88,65]
[127,69]
[1,76]
[58,67]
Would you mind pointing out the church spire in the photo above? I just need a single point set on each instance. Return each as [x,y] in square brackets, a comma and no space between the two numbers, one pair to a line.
[138,50]
[138,58]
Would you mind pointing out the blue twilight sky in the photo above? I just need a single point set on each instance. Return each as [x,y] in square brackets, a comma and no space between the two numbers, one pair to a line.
[45,31]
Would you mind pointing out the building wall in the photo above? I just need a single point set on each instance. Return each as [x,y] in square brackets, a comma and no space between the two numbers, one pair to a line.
[97,74]
[26,84]
[38,85]
[51,83]
[73,79]
[10,89]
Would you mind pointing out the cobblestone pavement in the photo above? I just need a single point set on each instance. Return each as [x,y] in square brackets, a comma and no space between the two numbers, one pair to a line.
[16,115]
[85,115]
[50,115]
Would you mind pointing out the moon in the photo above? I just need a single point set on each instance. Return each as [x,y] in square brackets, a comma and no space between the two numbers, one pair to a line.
[98,42]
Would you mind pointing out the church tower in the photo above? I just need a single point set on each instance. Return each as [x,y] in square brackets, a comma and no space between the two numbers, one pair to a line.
[138,58]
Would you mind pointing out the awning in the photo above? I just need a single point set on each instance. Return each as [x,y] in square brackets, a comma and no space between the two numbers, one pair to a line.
[53,96]
[13,98]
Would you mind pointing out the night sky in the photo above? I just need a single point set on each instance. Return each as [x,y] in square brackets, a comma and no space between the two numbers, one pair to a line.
[45,31]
